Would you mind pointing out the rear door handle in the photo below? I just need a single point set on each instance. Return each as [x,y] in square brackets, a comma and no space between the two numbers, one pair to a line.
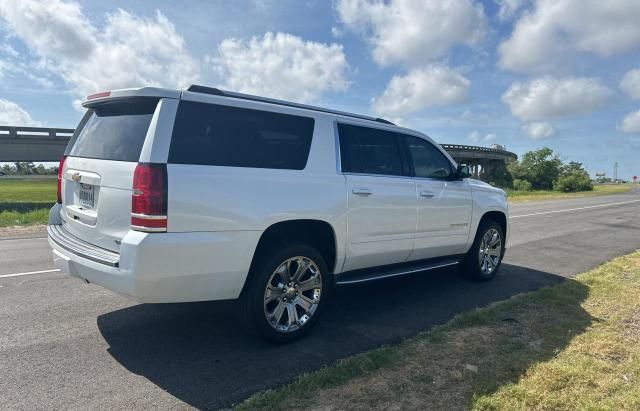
[426,194]
[361,191]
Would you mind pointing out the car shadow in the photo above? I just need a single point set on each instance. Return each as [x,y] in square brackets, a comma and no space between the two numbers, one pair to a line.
[197,352]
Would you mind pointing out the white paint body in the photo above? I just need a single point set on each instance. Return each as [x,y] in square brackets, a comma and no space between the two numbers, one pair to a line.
[216,215]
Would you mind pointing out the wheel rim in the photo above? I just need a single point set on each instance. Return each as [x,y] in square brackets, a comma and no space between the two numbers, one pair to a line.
[490,251]
[292,294]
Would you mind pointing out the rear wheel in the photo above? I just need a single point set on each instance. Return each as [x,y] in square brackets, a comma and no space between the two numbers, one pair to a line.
[483,260]
[287,292]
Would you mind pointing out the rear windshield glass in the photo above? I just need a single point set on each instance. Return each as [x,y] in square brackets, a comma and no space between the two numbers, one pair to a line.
[114,131]
[209,134]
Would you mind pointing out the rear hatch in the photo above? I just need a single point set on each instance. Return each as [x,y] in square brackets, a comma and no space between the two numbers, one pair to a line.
[98,171]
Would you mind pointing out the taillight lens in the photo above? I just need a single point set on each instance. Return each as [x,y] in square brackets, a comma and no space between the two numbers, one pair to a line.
[149,198]
[60,169]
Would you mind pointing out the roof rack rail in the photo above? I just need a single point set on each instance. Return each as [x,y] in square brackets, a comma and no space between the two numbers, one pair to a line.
[195,88]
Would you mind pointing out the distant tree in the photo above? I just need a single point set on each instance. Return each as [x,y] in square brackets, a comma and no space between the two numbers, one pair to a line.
[8,169]
[540,168]
[573,177]
[521,185]
[498,175]
[25,167]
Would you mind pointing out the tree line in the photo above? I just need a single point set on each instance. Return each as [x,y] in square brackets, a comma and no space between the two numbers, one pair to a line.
[542,170]
[28,168]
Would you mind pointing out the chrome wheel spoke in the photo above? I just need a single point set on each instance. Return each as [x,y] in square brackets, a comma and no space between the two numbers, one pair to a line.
[272,293]
[310,284]
[489,264]
[494,252]
[292,315]
[276,316]
[303,266]
[303,302]
[284,271]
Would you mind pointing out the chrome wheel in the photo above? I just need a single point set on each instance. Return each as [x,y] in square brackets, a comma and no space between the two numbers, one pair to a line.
[292,294]
[490,251]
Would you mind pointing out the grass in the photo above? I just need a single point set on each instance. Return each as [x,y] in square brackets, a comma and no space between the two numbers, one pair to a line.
[26,201]
[536,195]
[575,345]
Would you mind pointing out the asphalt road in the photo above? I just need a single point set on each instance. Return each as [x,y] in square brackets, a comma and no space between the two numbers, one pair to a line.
[66,344]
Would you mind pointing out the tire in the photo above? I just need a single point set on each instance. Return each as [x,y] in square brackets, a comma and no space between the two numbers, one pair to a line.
[479,265]
[295,304]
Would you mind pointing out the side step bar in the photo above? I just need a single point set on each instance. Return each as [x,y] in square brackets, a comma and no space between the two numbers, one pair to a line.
[361,276]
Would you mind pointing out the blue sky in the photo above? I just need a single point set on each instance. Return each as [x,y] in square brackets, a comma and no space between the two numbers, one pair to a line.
[521,73]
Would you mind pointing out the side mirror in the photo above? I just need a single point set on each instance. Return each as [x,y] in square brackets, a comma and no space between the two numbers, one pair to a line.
[463,171]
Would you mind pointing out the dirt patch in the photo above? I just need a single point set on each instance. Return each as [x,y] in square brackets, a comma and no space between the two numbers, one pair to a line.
[632,327]
[23,231]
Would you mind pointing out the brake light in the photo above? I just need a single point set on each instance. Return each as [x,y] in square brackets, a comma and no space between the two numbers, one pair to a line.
[99,95]
[149,198]
[60,167]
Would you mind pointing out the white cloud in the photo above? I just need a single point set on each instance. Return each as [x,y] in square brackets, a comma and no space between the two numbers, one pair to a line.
[630,84]
[547,97]
[476,137]
[12,114]
[509,8]
[548,38]
[282,66]
[539,130]
[631,123]
[127,51]
[434,85]
[4,67]
[413,32]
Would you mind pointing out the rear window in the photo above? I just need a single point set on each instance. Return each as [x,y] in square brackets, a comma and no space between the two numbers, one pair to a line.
[209,134]
[114,130]
[366,150]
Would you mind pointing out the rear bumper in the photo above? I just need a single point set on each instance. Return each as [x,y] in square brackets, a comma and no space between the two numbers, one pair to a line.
[161,268]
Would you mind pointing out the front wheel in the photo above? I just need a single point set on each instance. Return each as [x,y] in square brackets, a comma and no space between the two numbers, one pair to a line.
[483,260]
[288,290]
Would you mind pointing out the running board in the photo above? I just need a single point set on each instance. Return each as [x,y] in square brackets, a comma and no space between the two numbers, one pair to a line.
[378,273]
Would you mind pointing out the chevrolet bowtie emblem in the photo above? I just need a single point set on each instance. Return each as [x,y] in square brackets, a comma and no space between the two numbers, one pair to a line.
[75,177]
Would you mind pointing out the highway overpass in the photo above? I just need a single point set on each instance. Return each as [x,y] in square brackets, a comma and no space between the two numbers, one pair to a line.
[33,143]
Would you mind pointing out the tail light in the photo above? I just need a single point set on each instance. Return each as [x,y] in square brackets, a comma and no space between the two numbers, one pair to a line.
[149,198]
[60,167]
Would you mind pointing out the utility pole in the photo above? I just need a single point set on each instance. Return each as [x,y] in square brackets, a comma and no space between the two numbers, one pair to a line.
[615,171]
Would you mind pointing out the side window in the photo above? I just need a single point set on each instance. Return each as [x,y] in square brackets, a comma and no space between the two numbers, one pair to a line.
[369,151]
[210,134]
[428,161]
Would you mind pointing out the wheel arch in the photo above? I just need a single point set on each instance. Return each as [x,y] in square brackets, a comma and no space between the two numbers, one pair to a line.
[497,216]
[319,234]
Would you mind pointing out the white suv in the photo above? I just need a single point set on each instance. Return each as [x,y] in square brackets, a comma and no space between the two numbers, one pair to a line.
[203,194]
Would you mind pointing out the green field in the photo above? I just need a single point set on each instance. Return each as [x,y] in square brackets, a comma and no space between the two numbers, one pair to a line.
[598,190]
[575,345]
[26,201]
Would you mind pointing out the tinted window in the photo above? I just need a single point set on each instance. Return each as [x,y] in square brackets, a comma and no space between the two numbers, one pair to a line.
[114,130]
[369,151]
[428,161]
[217,135]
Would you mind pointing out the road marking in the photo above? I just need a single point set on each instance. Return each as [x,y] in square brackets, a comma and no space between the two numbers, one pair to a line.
[574,209]
[30,273]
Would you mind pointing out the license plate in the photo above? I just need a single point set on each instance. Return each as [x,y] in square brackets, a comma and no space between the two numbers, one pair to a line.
[85,195]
